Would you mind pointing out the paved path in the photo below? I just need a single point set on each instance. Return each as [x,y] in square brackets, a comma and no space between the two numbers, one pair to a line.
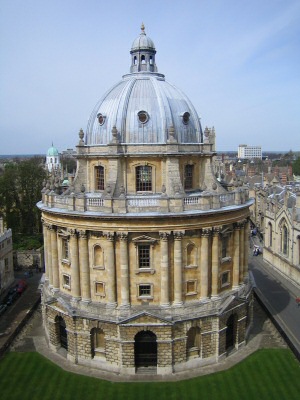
[279,296]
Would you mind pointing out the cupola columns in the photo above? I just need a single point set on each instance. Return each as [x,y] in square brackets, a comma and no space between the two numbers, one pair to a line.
[143,54]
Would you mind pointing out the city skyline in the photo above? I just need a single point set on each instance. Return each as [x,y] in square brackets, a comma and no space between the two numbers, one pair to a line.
[237,62]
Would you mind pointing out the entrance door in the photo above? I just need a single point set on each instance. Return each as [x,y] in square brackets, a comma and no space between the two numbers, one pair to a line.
[231,332]
[145,349]
[63,337]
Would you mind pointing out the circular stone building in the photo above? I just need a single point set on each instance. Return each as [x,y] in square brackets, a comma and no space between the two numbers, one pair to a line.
[146,253]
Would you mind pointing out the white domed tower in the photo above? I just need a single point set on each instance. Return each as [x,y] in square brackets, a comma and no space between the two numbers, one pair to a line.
[146,254]
[52,159]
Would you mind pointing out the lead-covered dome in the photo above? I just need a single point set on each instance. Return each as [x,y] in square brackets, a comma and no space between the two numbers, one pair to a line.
[143,107]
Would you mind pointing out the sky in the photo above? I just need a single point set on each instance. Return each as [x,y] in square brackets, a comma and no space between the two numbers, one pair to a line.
[238,62]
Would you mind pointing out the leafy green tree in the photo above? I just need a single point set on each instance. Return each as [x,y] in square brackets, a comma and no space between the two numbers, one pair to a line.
[296,166]
[20,190]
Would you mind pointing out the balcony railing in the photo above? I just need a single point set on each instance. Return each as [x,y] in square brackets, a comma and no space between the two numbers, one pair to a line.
[202,201]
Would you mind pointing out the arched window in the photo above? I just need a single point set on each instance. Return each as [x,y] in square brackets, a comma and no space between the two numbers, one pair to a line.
[61,332]
[191,255]
[144,178]
[143,59]
[270,234]
[193,342]
[98,256]
[188,177]
[134,60]
[98,342]
[151,60]
[285,239]
[99,178]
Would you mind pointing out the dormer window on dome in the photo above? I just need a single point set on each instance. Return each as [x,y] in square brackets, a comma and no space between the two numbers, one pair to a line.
[185,118]
[143,117]
[101,118]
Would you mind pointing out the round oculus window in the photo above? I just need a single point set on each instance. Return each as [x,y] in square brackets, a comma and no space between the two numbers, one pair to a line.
[101,119]
[143,117]
[186,118]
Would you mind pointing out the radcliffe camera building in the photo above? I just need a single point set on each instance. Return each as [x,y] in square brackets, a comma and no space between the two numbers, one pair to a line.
[146,253]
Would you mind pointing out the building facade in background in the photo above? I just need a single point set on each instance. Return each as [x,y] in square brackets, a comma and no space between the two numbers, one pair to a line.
[6,258]
[146,253]
[249,152]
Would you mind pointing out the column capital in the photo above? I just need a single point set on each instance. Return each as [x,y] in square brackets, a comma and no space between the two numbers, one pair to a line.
[206,232]
[163,235]
[237,226]
[72,232]
[216,230]
[122,236]
[178,235]
[83,234]
[109,235]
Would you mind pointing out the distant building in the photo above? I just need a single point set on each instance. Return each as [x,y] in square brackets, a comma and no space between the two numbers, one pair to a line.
[245,151]
[281,225]
[52,159]
[6,258]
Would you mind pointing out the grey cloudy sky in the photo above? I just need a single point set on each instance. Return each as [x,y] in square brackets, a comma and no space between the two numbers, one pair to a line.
[238,61]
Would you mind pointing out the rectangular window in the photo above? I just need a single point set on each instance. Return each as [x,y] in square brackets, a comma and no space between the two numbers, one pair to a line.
[99,178]
[225,279]
[100,289]
[144,290]
[67,281]
[6,265]
[144,178]
[65,248]
[188,177]
[144,256]
[191,287]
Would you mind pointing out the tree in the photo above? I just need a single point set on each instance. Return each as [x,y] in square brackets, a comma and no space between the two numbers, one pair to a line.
[20,190]
[296,166]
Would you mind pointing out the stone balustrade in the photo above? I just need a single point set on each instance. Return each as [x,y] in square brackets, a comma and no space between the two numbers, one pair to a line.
[88,202]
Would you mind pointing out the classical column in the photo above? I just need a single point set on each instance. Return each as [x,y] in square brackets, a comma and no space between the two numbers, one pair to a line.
[125,301]
[236,256]
[84,267]
[215,262]
[164,269]
[246,247]
[45,249]
[178,267]
[48,258]
[75,276]
[204,263]
[242,252]
[54,257]
[110,267]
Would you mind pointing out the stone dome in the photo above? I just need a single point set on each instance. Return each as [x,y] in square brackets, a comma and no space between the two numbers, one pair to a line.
[143,107]
[142,41]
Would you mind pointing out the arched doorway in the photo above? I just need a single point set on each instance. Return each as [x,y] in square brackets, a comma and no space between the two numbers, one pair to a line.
[145,349]
[231,331]
[62,332]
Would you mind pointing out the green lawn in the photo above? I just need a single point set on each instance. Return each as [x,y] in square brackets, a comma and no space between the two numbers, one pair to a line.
[267,374]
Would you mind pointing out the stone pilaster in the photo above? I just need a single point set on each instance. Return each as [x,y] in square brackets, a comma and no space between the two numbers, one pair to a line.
[178,267]
[204,263]
[236,256]
[84,267]
[246,247]
[75,276]
[54,256]
[242,252]
[45,250]
[125,298]
[164,269]
[48,258]
[215,262]
[110,267]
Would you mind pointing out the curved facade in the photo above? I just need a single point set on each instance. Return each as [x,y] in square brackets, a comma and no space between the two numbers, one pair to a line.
[146,254]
